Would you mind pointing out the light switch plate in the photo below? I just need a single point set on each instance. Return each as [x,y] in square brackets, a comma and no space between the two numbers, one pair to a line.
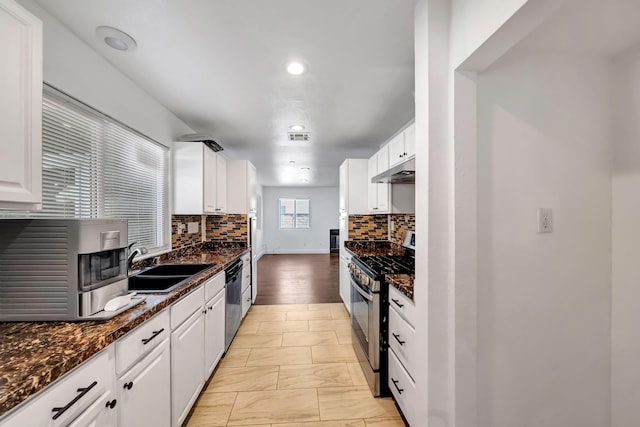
[192,227]
[545,220]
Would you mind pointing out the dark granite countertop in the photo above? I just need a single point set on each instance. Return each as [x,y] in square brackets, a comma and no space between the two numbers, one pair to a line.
[34,354]
[373,247]
[402,282]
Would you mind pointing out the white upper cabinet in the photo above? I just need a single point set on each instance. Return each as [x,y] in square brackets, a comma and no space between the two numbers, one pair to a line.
[402,147]
[199,180]
[378,194]
[242,195]
[20,108]
[353,187]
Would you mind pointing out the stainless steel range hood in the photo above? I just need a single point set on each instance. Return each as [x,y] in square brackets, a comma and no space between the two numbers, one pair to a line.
[404,173]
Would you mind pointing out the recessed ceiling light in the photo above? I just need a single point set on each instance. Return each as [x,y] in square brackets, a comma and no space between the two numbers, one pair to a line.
[296,68]
[292,162]
[296,127]
[116,39]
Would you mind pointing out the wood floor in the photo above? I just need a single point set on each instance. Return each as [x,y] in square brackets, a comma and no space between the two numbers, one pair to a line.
[292,366]
[298,279]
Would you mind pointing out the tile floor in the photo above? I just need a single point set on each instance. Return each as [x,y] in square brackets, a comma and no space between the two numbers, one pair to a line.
[292,365]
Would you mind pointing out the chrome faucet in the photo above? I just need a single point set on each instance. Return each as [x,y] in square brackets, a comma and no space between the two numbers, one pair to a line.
[133,253]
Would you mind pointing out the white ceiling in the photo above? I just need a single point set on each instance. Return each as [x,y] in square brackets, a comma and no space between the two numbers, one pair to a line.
[597,27]
[219,65]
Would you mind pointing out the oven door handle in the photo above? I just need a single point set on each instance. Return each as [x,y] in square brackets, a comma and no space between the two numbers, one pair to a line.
[365,295]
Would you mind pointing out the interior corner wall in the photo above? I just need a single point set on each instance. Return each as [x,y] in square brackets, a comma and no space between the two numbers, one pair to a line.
[71,66]
[625,343]
[324,216]
[543,328]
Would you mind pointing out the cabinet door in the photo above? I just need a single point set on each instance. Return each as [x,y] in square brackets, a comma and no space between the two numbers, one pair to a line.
[246,301]
[344,183]
[396,150]
[252,188]
[101,413]
[144,393]
[410,141]
[187,366]
[383,195]
[372,168]
[20,108]
[221,186]
[214,331]
[345,293]
[383,159]
[210,179]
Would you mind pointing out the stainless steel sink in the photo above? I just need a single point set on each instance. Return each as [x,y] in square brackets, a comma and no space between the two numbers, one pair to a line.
[164,278]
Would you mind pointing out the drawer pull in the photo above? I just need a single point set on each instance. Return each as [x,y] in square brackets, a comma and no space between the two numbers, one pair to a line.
[111,404]
[82,391]
[128,385]
[397,302]
[146,341]
[397,337]
[210,308]
[395,384]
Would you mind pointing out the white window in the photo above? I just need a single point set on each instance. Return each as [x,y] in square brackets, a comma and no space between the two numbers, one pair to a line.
[294,213]
[96,167]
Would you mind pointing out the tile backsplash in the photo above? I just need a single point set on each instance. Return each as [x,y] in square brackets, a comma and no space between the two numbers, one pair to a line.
[401,224]
[376,227]
[368,227]
[227,228]
[180,238]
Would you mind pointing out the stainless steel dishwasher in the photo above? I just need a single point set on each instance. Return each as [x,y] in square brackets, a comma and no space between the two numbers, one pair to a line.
[233,306]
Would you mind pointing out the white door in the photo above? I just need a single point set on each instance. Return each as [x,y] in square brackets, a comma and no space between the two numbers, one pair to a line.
[101,413]
[187,366]
[214,330]
[145,391]
[20,108]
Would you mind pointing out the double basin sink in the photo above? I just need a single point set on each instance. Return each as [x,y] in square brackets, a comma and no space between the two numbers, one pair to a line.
[164,278]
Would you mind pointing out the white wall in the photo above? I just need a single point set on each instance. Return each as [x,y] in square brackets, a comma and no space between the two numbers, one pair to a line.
[324,216]
[544,132]
[74,68]
[625,393]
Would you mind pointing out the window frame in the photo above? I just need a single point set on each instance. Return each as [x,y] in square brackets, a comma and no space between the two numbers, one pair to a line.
[295,213]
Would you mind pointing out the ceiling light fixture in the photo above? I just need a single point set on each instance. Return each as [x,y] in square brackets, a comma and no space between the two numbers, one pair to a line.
[305,169]
[116,39]
[296,127]
[292,162]
[296,68]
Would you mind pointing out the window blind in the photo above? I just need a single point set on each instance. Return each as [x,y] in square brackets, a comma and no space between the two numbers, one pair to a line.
[95,167]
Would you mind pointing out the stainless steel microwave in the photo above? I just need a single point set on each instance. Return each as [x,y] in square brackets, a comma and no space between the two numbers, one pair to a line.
[60,269]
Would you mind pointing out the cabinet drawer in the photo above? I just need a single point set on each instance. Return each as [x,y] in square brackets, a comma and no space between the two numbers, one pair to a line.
[213,286]
[246,301]
[141,340]
[246,277]
[403,305]
[89,381]
[184,308]
[246,259]
[402,340]
[402,387]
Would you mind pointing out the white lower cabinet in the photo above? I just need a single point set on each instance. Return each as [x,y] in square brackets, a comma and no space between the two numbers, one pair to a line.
[187,365]
[402,352]
[85,396]
[246,301]
[402,387]
[345,283]
[214,331]
[144,391]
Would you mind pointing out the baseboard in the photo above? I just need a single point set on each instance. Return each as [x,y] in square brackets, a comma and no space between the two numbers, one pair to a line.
[297,251]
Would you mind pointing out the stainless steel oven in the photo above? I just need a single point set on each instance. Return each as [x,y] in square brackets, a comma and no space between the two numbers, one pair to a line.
[368,306]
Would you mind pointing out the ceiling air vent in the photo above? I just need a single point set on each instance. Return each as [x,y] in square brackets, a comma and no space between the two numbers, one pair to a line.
[204,138]
[299,136]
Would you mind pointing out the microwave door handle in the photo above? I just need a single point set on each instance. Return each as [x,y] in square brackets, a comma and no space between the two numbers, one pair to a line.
[361,292]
